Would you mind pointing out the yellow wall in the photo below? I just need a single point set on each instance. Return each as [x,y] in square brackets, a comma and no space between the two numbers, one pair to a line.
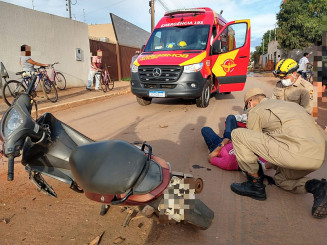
[102,30]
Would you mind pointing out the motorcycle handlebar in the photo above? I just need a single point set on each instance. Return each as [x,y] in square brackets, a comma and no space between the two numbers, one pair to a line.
[11,168]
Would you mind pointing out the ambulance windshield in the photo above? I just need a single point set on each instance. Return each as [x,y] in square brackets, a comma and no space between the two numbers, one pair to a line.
[178,38]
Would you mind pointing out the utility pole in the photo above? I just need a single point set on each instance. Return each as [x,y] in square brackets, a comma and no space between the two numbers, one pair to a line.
[263,46]
[84,15]
[151,4]
[69,8]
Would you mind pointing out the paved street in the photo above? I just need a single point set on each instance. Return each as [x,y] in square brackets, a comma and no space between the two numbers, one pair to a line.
[172,127]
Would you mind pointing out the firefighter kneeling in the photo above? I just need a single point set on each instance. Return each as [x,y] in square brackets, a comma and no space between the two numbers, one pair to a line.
[285,135]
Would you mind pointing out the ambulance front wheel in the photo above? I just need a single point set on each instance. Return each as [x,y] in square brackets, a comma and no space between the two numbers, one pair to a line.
[203,100]
[143,101]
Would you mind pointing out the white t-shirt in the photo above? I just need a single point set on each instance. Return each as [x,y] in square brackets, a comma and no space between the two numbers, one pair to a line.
[303,64]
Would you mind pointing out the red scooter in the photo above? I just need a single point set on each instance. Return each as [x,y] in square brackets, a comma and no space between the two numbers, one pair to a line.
[111,172]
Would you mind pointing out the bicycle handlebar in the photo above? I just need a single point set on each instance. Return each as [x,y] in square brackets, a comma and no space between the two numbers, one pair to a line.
[54,64]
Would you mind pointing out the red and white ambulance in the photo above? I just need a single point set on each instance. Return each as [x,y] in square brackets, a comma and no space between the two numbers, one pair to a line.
[190,54]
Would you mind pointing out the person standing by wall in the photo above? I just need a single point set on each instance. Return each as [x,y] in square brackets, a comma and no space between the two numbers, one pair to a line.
[95,67]
[26,61]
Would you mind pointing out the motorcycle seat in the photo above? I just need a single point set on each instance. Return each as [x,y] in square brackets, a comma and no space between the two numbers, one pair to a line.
[107,167]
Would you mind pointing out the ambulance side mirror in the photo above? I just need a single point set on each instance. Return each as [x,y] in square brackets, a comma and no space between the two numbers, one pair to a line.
[142,48]
[216,47]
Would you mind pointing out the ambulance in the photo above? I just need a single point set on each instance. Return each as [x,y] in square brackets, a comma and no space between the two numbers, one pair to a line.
[191,54]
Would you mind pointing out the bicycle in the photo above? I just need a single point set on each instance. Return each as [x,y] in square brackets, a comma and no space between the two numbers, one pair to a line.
[56,77]
[309,74]
[105,80]
[14,88]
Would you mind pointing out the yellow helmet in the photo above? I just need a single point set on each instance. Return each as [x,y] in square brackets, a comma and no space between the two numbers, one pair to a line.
[182,44]
[285,67]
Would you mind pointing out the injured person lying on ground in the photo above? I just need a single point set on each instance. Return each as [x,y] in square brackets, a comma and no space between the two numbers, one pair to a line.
[284,134]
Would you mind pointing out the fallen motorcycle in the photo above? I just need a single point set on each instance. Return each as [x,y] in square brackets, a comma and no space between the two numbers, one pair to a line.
[111,172]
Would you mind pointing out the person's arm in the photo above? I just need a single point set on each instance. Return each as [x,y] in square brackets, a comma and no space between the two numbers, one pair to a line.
[225,161]
[273,95]
[306,101]
[254,121]
[216,151]
[36,63]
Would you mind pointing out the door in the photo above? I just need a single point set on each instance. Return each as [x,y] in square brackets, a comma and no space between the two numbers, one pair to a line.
[230,55]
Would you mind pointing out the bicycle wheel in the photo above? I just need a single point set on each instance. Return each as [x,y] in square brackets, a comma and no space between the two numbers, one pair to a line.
[103,84]
[11,90]
[49,90]
[60,81]
[111,83]
[309,78]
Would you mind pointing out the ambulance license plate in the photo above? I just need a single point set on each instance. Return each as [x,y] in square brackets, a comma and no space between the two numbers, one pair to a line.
[160,94]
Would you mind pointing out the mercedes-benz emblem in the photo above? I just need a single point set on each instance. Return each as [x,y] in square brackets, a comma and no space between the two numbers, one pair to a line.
[156,72]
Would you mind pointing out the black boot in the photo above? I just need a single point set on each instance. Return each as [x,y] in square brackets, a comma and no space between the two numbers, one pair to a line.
[319,190]
[254,188]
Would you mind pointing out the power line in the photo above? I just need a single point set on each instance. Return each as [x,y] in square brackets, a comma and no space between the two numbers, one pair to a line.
[163,5]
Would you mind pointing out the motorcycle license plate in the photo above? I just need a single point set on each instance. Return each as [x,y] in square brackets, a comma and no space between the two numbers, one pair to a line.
[160,94]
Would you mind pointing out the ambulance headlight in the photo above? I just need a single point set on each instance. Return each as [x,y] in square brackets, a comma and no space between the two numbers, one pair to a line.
[193,68]
[135,68]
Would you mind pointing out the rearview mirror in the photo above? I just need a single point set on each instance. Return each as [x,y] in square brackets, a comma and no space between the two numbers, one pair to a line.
[142,48]
[216,47]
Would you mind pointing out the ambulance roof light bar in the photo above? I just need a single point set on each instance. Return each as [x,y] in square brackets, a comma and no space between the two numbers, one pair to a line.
[184,11]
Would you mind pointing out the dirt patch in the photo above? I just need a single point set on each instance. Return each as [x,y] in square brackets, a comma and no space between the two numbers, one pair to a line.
[35,218]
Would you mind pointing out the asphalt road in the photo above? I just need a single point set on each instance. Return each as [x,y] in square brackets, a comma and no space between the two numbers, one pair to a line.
[173,127]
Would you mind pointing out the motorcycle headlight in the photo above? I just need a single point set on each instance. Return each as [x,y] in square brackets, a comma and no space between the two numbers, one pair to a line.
[135,68]
[193,68]
[13,121]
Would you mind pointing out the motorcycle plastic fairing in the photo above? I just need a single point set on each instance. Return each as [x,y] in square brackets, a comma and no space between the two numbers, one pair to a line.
[50,156]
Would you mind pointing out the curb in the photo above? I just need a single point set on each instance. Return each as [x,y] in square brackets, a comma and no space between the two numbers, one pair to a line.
[72,104]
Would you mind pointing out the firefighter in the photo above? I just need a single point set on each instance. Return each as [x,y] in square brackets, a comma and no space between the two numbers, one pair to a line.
[285,135]
[292,87]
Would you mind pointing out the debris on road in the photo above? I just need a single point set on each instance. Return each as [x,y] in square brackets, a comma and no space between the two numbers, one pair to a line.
[163,125]
[119,240]
[96,240]
[130,214]
[5,220]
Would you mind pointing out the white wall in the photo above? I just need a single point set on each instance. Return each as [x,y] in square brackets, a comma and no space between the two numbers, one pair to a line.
[52,38]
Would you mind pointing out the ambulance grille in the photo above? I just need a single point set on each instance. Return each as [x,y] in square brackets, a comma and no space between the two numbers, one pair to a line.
[160,73]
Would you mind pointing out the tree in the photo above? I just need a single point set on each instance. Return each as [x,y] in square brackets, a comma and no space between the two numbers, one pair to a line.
[255,55]
[267,37]
[299,23]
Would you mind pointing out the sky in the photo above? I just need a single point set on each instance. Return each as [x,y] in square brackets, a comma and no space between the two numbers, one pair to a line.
[262,13]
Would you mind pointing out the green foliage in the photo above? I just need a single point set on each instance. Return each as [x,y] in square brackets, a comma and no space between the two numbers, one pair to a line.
[299,23]
[256,54]
[267,37]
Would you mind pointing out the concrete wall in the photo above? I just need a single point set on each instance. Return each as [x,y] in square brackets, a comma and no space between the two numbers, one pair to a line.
[297,54]
[272,48]
[102,30]
[51,38]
